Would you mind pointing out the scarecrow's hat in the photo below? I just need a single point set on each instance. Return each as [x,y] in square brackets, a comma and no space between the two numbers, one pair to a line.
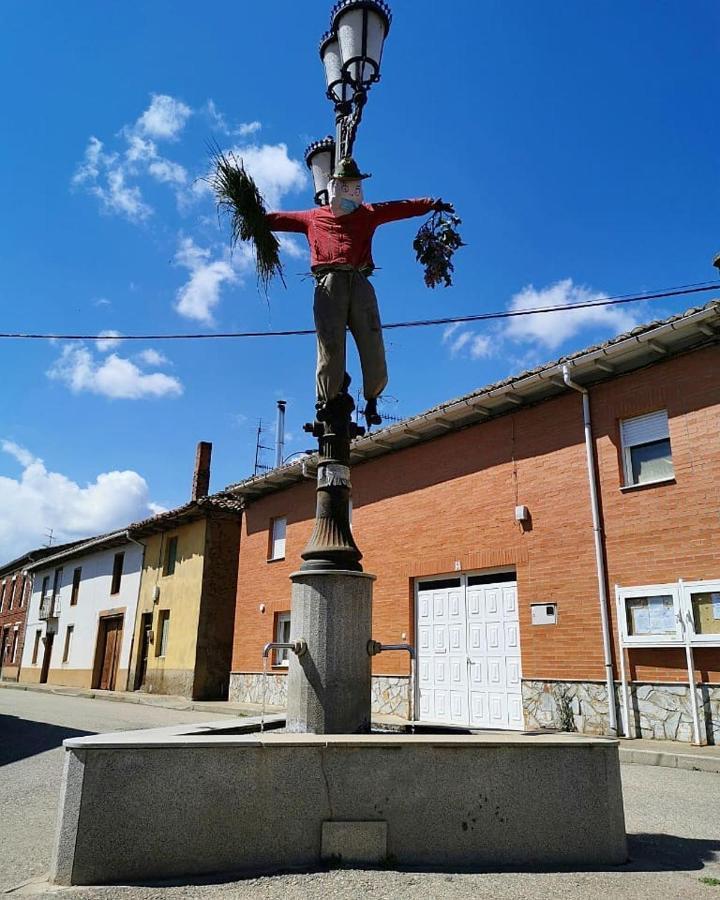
[347,170]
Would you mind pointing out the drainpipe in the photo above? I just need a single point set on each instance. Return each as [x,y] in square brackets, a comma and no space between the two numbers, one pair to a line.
[132,668]
[599,557]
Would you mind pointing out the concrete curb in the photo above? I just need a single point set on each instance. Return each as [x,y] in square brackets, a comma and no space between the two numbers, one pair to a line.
[687,761]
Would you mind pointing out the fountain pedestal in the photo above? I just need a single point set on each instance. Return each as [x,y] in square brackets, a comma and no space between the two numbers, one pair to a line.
[329,686]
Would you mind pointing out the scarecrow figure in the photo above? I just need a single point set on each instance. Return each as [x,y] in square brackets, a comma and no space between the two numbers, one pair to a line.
[340,238]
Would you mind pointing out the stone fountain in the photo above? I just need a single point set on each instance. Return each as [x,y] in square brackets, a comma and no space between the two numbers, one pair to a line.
[226,798]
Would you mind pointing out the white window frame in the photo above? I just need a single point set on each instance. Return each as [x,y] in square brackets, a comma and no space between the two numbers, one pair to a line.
[627,448]
[681,592]
[15,643]
[282,657]
[278,544]
[687,589]
[649,590]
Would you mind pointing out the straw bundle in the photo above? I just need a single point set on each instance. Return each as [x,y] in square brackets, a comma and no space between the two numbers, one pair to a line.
[237,196]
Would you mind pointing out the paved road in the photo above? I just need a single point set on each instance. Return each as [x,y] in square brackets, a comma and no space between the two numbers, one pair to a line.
[672,817]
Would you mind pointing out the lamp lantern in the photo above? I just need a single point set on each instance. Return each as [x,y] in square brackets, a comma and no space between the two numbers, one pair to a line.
[361,27]
[320,159]
[338,88]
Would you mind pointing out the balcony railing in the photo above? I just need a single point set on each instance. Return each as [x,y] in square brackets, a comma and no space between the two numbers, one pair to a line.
[49,607]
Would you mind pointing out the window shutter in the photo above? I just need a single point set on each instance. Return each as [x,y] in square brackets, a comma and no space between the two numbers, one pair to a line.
[644,429]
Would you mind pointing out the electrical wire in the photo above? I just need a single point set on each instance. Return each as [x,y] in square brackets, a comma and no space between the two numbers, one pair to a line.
[696,288]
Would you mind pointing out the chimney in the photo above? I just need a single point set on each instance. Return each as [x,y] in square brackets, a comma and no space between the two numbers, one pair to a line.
[201,475]
[280,434]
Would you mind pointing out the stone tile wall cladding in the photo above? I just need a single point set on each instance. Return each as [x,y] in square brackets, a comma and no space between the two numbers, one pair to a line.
[389,693]
[660,711]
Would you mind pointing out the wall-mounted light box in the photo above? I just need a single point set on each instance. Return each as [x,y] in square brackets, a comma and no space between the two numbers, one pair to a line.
[543,613]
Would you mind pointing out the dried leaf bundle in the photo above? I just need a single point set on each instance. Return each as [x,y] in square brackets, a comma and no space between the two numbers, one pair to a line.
[435,244]
[237,196]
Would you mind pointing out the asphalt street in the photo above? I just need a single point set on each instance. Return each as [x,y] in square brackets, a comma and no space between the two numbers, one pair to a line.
[672,816]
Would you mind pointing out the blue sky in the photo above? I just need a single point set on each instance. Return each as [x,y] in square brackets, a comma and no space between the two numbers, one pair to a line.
[579,143]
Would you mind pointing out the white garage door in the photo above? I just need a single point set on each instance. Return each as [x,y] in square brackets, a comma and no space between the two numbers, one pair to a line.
[469,652]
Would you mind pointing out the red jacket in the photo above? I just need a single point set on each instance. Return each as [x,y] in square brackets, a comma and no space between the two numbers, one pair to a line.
[345,240]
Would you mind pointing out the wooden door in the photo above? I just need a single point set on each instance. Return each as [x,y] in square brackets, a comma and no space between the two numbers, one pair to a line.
[110,638]
[145,629]
[3,646]
[49,638]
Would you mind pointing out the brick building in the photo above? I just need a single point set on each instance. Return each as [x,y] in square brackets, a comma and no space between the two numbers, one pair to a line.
[15,589]
[493,559]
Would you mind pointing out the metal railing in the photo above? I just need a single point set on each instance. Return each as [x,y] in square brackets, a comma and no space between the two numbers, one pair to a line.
[49,607]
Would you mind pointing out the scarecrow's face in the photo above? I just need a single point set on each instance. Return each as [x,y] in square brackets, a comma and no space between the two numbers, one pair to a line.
[345,195]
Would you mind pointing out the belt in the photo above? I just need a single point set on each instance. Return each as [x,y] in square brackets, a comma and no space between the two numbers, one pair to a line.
[341,267]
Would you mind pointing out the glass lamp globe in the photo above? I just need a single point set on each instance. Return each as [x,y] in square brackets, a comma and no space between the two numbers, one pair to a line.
[337,87]
[320,159]
[361,27]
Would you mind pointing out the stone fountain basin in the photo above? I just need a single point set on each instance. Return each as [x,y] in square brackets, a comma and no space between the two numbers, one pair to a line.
[223,798]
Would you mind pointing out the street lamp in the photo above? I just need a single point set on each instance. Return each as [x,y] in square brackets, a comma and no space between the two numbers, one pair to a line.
[361,27]
[351,53]
[320,159]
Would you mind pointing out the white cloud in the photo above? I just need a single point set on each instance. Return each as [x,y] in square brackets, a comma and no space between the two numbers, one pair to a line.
[552,329]
[23,456]
[109,340]
[481,346]
[112,376]
[168,172]
[153,358]
[199,296]
[245,129]
[40,499]
[164,119]
[292,247]
[102,301]
[460,340]
[103,175]
[274,172]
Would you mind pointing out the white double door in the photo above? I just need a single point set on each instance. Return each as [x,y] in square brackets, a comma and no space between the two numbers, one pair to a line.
[468,646]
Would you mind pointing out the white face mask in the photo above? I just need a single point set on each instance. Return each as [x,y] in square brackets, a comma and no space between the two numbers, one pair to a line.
[345,196]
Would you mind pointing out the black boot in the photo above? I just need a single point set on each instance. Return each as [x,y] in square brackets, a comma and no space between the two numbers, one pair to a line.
[372,416]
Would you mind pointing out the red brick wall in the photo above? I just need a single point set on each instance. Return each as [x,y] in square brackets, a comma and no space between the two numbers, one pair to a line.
[420,510]
[9,618]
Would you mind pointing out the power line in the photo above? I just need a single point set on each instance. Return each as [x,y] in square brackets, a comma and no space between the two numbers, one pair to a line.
[418,323]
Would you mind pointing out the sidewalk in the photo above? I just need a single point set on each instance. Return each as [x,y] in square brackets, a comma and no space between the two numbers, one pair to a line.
[641,752]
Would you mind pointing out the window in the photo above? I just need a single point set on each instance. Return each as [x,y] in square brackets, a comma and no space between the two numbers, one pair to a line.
[171,556]
[117,573]
[57,584]
[164,631]
[27,582]
[278,527]
[68,640]
[282,635]
[11,592]
[2,595]
[646,449]
[45,585]
[13,655]
[36,646]
[77,575]
[652,615]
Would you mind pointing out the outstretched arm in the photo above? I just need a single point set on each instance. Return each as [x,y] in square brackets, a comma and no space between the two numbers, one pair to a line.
[289,221]
[394,210]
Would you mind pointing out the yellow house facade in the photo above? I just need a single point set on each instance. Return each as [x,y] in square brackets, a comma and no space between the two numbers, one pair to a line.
[186,606]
